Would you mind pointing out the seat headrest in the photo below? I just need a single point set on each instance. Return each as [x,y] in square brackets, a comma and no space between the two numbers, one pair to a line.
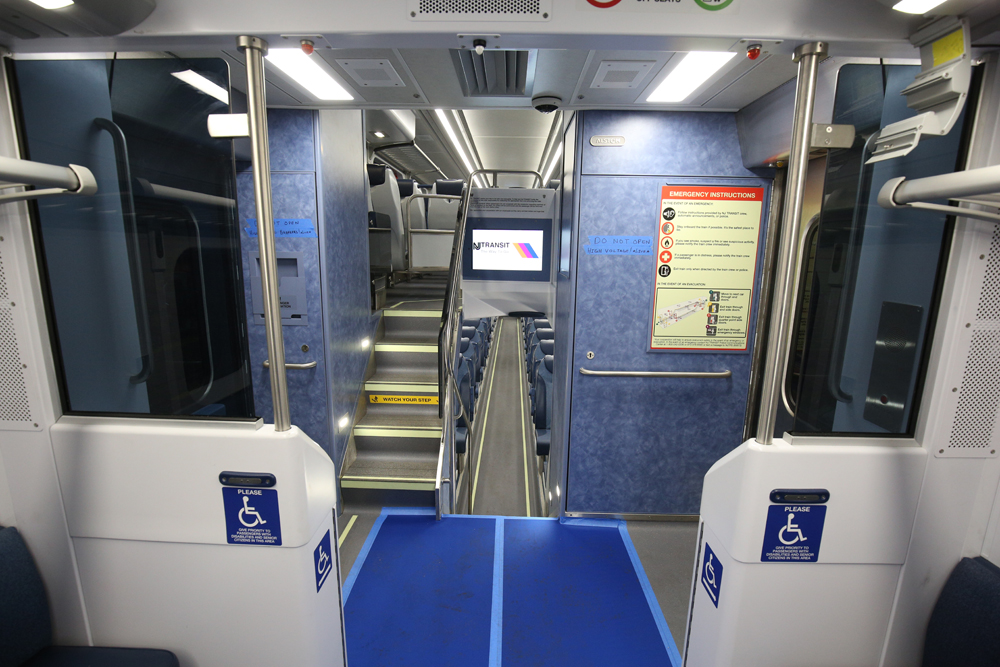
[545,334]
[407,187]
[376,174]
[541,323]
[553,184]
[469,322]
[464,345]
[549,361]
[469,332]
[547,346]
[449,187]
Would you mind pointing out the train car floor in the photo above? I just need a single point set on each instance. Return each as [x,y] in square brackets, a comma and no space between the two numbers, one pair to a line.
[504,468]
[503,591]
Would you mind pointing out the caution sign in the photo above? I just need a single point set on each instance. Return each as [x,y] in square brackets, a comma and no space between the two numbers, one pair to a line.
[401,399]
[706,267]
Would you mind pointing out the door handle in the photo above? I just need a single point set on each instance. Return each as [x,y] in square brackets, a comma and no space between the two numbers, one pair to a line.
[294,367]
[659,374]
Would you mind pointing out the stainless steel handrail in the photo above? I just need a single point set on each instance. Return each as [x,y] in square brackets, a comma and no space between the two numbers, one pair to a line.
[437,481]
[807,238]
[787,271]
[523,172]
[132,247]
[294,367]
[254,49]
[659,374]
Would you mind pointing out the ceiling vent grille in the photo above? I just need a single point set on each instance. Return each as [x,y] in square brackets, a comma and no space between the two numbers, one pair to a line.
[495,73]
[372,72]
[622,73]
[497,10]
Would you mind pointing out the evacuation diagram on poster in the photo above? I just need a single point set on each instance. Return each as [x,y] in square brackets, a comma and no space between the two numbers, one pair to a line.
[706,264]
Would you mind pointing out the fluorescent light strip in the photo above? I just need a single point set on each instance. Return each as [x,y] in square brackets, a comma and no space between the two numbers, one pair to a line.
[481,180]
[53,4]
[196,80]
[443,118]
[696,68]
[916,6]
[552,165]
[305,71]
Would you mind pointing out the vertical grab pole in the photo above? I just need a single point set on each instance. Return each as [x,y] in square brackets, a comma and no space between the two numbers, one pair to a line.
[255,49]
[786,276]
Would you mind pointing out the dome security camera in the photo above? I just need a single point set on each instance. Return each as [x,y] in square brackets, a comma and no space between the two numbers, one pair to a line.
[546,103]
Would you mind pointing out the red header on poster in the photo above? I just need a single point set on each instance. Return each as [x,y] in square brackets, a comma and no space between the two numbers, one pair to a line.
[712,193]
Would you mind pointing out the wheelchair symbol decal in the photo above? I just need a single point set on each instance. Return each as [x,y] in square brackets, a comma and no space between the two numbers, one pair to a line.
[791,528]
[323,559]
[793,533]
[252,516]
[250,511]
[711,575]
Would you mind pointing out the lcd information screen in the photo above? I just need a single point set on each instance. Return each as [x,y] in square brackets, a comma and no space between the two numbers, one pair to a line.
[508,250]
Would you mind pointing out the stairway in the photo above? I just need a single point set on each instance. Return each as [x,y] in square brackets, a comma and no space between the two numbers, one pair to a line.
[398,436]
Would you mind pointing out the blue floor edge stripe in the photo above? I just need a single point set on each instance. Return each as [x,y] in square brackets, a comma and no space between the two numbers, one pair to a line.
[654,606]
[409,510]
[362,555]
[496,618]
[598,523]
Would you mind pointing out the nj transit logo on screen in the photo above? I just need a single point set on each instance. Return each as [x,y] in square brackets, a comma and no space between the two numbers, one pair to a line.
[507,249]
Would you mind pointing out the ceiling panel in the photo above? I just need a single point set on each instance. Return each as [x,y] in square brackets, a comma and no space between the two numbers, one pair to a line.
[390,97]
[510,139]
[592,97]
[765,76]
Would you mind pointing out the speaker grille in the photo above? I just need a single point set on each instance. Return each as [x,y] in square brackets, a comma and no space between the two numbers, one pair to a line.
[490,7]
[979,394]
[14,405]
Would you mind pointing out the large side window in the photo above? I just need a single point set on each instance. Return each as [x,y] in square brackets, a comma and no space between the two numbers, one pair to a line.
[875,272]
[143,279]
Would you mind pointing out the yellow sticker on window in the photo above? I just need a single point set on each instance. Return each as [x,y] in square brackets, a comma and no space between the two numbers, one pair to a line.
[948,47]
[403,400]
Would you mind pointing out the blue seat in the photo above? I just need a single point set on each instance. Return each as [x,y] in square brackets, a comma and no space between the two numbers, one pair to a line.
[963,626]
[542,412]
[544,348]
[539,335]
[26,626]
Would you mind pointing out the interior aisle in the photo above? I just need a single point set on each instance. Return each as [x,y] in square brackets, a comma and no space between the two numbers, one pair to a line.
[504,469]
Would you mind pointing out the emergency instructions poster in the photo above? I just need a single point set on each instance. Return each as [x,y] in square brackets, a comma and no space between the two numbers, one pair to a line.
[706,261]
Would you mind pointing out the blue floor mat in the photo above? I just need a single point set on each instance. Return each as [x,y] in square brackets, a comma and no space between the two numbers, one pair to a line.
[424,594]
[501,592]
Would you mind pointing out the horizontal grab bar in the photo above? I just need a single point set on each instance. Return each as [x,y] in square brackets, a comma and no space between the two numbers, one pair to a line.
[294,367]
[658,374]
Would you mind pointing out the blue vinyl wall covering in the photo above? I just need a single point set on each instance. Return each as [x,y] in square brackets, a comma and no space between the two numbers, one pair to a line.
[293,189]
[317,172]
[641,445]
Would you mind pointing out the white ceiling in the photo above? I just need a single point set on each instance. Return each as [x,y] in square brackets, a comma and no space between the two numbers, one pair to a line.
[510,139]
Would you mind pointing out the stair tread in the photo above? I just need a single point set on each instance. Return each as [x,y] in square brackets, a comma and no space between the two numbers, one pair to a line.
[381,468]
[414,338]
[387,419]
[417,377]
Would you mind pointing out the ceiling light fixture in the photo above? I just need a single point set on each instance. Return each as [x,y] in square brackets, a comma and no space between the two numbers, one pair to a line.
[916,6]
[196,80]
[696,68]
[53,4]
[379,135]
[305,71]
[443,118]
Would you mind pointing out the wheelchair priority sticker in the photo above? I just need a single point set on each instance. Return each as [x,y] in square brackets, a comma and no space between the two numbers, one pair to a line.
[793,533]
[252,516]
[323,560]
[711,575]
